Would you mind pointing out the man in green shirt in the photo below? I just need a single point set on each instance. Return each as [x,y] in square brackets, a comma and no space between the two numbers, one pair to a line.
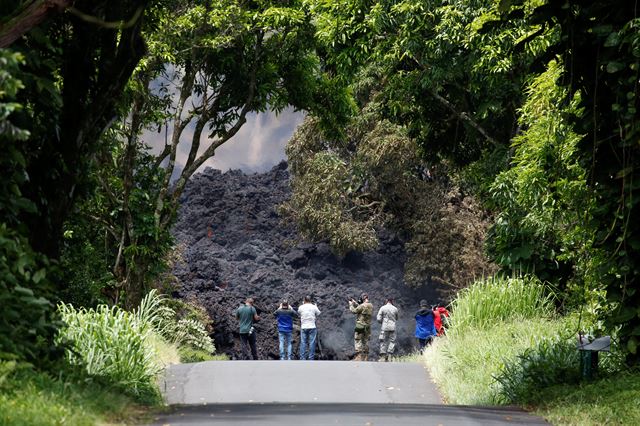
[246,315]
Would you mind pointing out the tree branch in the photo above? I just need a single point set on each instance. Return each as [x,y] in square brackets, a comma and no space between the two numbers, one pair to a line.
[109,227]
[208,111]
[112,197]
[465,117]
[28,17]
[116,264]
[462,115]
[160,158]
[116,25]
[210,151]
[179,126]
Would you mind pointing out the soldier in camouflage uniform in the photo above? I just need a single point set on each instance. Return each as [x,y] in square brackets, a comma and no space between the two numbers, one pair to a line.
[364,312]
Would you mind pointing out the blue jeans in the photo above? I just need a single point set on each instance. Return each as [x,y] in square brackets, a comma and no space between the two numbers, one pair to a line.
[308,336]
[285,342]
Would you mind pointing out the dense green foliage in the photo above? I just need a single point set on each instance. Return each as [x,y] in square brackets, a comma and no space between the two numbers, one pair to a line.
[29,397]
[493,300]
[543,196]
[513,344]
[50,125]
[124,348]
[510,99]
[27,322]
[346,186]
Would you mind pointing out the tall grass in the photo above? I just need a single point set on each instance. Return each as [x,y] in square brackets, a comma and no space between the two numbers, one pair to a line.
[130,349]
[30,397]
[497,299]
[184,332]
[465,364]
[111,343]
[503,341]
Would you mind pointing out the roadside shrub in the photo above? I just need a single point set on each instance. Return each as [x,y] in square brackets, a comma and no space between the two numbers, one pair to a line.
[191,309]
[465,364]
[27,318]
[552,361]
[184,332]
[68,396]
[504,344]
[189,354]
[113,344]
[493,300]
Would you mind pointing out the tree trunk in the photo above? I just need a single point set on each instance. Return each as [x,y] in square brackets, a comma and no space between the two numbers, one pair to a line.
[29,16]
[96,64]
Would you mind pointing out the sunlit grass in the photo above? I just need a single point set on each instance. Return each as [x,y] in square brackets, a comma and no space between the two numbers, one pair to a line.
[500,329]
[497,299]
[29,397]
[113,344]
[611,401]
[463,364]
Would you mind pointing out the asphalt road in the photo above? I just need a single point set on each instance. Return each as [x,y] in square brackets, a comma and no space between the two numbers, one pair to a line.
[239,382]
[316,393]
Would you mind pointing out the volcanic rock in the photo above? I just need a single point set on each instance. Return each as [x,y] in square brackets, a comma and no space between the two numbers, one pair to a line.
[235,245]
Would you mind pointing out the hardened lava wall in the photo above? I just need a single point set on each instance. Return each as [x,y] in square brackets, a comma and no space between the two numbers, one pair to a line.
[234,245]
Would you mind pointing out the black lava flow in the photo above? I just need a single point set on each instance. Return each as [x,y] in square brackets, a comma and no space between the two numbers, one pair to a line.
[235,245]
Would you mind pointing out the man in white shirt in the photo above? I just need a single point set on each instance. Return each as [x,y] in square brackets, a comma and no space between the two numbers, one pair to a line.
[308,331]
[387,316]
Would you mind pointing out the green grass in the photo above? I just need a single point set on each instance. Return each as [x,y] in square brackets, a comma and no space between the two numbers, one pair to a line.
[29,397]
[505,345]
[492,322]
[110,369]
[189,354]
[498,299]
[610,401]
[113,344]
[464,364]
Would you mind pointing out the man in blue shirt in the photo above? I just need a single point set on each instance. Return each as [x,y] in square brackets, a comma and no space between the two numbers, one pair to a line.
[425,328]
[246,315]
[285,315]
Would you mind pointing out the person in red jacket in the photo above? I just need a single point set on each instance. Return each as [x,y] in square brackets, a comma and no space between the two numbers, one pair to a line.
[439,311]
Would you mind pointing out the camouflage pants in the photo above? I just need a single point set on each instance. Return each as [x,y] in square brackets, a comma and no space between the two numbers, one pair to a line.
[387,342]
[361,340]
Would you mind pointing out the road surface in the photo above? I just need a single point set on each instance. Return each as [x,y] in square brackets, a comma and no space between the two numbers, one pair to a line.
[316,393]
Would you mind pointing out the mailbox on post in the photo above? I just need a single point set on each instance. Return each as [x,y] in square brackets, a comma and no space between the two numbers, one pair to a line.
[589,349]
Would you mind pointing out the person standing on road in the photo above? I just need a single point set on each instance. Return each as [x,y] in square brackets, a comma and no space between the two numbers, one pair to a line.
[364,311]
[440,314]
[285,315]
[308,332]
[247,315]
[425,328]
[387,317]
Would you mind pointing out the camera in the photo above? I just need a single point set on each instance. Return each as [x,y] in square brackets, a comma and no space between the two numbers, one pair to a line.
[357,301]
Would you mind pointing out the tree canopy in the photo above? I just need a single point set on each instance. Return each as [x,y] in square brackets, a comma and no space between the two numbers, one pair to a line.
[530,106]
[462,124]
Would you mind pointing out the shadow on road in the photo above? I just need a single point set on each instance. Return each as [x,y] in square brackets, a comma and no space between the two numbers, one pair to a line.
[344,414]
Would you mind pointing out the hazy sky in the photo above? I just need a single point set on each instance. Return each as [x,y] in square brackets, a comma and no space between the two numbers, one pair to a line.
[260,144]
[257,147]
